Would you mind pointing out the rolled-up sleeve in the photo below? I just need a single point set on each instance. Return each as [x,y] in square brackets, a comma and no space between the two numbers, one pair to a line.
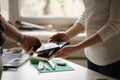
[81,19]
[112,27]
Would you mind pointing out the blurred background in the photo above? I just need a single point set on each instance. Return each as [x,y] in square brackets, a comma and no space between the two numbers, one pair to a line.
[43,18]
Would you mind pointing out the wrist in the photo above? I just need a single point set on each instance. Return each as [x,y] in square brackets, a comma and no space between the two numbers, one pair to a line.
[68,35]
[20,39]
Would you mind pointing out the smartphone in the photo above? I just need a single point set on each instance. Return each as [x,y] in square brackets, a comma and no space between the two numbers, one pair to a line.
[47,46]
[47,50]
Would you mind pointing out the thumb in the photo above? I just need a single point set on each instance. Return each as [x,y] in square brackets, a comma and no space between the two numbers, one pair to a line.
[31,51]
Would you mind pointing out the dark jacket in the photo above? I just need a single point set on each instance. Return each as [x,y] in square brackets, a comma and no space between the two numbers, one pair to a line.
[2,34]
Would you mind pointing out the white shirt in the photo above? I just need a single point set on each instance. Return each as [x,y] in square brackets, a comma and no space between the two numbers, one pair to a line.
[102,17]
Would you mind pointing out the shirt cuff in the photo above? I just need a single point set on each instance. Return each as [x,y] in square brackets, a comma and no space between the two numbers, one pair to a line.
[108,31]
[81,22]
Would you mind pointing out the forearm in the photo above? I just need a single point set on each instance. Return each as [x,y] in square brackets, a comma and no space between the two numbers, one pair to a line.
[13,33]
[74,30]
[10,30]
[94,39]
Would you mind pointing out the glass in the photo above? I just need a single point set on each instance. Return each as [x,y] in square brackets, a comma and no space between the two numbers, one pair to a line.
[50,8]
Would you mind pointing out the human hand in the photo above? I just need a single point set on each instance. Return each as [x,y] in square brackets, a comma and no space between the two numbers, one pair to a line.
[30,43]
[65,51]
[61,36]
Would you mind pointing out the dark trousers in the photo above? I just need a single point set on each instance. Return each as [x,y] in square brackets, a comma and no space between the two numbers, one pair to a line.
[112,70]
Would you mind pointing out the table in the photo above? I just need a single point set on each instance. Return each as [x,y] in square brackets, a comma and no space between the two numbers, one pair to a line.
[28,72]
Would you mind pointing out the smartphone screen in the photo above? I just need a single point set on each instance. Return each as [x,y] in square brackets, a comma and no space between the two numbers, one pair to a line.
[47,46]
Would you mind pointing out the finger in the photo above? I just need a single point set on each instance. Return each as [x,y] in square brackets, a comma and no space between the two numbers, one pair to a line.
[58,53]
[62,55]
[31,51]
[50,40]
[54,37]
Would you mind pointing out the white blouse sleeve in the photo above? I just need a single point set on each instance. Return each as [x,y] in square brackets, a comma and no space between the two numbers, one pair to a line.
[112,27]
[81,19]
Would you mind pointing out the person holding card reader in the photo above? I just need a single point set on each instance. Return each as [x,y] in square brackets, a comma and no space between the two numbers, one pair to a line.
[101,23]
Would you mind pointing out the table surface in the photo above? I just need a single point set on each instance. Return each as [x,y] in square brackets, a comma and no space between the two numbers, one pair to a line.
[28,72]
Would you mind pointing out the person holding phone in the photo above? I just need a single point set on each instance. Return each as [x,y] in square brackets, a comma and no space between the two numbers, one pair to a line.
[28,43]
[101,22]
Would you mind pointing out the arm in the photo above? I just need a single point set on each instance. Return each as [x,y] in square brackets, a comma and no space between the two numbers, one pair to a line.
[94,39]
[112,27]
[77,27]
[10,30]
[27,41]
[67,35]
[71,32]
[67,50]
[74,30]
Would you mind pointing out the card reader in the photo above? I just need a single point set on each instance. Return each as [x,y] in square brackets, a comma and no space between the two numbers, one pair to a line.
[50,50]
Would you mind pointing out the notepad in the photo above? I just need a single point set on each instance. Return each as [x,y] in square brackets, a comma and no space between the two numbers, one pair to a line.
[14,57]
[58,67]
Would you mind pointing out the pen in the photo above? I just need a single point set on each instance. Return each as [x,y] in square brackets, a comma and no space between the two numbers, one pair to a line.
[40,65]
[46,67]
[51,64]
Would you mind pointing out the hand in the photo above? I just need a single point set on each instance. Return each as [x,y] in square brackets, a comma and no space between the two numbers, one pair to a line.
[65,51]
[59,37]
[30,43]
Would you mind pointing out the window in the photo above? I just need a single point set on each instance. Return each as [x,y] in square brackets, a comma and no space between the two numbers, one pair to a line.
[4,9]
[50,8]
[54,12]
